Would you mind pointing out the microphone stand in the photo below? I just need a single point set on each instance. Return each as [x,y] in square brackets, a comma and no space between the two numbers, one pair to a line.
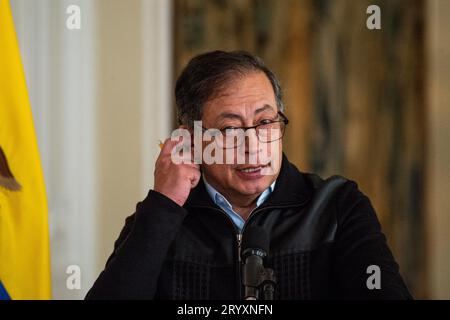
[268,284]
[256,277]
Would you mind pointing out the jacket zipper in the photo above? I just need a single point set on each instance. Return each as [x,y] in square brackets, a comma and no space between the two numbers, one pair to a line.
[239,241]
[239,265]
[239,236]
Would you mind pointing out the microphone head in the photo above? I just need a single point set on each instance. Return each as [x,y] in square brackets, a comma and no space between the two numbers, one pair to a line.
[255,241]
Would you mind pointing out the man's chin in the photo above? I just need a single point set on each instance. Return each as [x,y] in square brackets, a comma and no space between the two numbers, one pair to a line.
[249,188]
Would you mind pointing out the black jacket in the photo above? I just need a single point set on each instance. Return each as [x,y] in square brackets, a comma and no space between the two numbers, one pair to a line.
[324,234]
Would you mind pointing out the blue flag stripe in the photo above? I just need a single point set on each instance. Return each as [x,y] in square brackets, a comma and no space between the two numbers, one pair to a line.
[3,293]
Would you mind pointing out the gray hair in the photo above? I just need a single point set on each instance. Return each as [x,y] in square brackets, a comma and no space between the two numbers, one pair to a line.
[209,73]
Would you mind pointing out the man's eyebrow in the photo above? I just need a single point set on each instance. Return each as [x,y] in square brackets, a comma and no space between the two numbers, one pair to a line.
[231,115]
[266,107]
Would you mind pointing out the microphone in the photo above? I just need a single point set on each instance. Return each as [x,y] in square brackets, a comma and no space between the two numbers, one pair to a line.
[255,246]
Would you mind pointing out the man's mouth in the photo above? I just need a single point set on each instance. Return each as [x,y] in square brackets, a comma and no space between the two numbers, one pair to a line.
[252,172]
[252,168]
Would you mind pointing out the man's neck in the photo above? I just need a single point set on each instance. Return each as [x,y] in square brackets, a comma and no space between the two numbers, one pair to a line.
[244,212]
[243,205]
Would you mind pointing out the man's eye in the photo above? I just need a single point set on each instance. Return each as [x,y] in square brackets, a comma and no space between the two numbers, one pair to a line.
[229,128]
[266,121]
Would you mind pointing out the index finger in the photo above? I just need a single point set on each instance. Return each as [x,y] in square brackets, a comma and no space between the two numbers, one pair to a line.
[173,142]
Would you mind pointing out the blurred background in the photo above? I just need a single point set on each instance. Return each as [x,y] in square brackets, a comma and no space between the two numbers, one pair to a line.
[372,105]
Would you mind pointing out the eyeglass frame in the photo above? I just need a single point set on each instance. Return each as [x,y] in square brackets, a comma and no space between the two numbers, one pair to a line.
[284,120]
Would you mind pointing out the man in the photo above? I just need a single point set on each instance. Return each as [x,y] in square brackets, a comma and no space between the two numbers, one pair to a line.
[184,240]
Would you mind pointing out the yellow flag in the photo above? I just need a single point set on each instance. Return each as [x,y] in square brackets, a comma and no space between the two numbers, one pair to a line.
[24,239]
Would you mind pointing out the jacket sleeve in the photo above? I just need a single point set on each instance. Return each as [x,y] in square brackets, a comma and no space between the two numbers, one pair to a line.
[362,249]
[133,269]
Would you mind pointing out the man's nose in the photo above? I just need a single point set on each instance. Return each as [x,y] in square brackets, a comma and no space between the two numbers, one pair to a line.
[251,142]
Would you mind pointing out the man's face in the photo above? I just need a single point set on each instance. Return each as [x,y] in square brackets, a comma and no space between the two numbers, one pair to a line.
[246,102]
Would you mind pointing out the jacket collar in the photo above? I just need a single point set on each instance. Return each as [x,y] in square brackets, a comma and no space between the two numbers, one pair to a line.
[291,189]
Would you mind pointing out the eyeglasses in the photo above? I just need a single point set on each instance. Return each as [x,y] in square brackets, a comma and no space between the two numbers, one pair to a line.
[233,137]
